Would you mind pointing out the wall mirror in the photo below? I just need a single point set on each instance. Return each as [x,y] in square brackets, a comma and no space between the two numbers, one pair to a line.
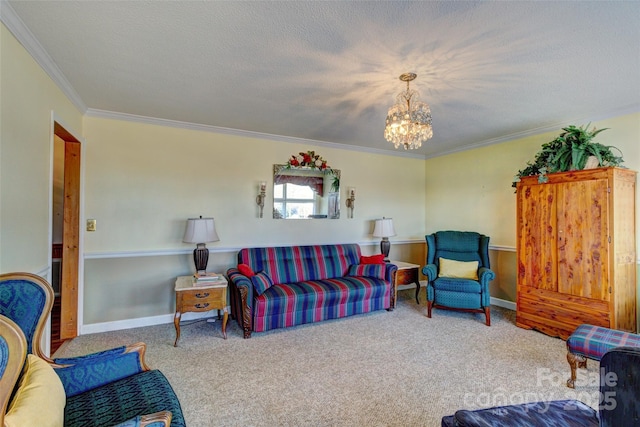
[305,193]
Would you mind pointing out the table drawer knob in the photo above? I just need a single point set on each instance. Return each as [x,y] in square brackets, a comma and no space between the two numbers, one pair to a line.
[205,305]
[206,294]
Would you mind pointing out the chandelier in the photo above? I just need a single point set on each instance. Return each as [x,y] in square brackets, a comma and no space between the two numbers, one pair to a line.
[409,120]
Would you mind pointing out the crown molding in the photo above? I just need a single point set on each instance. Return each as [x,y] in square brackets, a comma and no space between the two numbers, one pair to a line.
[14,24]
[104,114]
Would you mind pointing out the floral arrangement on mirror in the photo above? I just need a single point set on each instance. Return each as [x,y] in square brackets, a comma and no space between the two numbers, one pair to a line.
[309,159]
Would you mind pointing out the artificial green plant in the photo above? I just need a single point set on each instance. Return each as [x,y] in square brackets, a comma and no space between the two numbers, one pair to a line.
[570,151]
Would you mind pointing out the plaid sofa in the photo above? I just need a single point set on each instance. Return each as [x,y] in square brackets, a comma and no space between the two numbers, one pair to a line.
[306,284]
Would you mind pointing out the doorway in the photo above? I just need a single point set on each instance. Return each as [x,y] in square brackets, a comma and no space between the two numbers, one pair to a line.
[66,236]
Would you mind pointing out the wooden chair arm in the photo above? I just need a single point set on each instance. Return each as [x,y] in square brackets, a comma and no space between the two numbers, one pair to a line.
[141,349]
[162,416]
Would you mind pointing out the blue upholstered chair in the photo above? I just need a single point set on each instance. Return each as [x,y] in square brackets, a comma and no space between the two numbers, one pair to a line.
[98,386]
[458,272]
[30,391]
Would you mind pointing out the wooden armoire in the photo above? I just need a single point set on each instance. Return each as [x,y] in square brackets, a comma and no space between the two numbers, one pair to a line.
[576,251]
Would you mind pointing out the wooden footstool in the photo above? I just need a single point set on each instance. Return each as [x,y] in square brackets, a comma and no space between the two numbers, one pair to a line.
[592,342]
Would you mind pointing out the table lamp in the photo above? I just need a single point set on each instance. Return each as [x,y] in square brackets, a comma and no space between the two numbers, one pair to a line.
[384,228]
[200,231]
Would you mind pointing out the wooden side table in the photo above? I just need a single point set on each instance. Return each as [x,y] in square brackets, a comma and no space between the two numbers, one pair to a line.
[407,274]
[204,296]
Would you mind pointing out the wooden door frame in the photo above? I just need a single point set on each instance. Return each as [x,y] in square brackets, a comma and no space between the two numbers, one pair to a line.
[73,261]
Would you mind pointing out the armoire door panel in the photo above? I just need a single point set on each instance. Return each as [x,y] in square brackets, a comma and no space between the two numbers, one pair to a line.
[583,239]
[538,238]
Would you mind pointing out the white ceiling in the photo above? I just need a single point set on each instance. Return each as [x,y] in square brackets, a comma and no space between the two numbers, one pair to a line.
[328,71]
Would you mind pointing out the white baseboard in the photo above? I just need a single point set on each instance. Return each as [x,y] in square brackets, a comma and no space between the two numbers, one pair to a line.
[119,325]
[503,303]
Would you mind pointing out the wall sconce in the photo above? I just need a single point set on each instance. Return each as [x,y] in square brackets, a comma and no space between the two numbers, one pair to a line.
[261,196]
[351,200]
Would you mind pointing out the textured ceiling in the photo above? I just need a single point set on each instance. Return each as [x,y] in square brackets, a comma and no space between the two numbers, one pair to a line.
[328,71]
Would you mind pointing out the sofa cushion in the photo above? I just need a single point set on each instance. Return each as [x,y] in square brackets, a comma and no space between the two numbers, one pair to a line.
[458,269]
[291,264]
[368,270]
[122,400]
[373,259]
[39,399]
[457,285]
[261,282]
[290,304]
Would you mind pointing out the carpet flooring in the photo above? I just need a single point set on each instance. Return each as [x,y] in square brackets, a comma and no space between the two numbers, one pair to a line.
[396,368]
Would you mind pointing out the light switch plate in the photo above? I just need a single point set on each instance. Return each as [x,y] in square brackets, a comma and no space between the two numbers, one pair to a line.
[91,225]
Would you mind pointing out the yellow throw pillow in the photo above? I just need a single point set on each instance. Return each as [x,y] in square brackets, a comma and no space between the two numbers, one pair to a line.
[40,398]
[458,269]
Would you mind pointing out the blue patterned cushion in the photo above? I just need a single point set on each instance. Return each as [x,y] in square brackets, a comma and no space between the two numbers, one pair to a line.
[261,282]
[368,270]
[144,393]
[95,370]
[594,341]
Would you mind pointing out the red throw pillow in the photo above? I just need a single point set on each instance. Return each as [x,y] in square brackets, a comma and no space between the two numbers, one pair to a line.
[246,270]
[373,259]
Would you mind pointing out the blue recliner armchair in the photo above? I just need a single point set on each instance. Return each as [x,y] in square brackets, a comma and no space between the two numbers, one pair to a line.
[458,271]
[107,388]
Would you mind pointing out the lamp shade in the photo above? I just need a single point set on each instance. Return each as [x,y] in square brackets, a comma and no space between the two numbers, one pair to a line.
[200,230]
[384,228]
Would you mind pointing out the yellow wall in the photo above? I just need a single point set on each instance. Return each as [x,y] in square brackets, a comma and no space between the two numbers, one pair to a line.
[28,98]
[143,181]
